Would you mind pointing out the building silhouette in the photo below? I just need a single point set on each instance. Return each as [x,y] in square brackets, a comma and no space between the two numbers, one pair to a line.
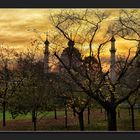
[71,58]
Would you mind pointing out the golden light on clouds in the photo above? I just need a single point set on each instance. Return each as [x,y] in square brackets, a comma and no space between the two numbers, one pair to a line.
[16,27]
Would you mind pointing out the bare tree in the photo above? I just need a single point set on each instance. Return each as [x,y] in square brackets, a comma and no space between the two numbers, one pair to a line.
[132,101]
[128,23]
[97,86]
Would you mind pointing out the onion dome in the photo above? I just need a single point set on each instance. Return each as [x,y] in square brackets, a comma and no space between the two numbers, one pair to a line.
[71,52]
[90,60]
[71,55]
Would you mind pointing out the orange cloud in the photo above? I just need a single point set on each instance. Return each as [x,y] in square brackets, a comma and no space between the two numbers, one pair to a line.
[17,24]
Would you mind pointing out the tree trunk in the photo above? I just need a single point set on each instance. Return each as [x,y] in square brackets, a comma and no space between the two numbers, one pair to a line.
[105,114]
[74,114]
[34,120]
[4,113]
[101,110]
[66,118]
[32,116]
[35,124]
[55,114]
[132,117]
[88,115]
[111,116]
[81,120]
[129,111]
[119,116]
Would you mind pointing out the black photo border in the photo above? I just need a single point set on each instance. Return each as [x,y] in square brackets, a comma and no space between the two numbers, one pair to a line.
[69,3]
[69,135]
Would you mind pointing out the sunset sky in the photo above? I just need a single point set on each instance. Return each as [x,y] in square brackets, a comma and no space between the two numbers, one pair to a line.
[16,27]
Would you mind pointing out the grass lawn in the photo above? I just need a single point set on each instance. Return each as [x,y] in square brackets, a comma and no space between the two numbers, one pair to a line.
[28,116]
[98,122]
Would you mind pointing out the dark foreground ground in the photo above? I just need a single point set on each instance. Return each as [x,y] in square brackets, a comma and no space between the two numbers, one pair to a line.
[98,122]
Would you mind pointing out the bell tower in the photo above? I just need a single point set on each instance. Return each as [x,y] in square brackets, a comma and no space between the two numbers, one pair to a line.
[46,56]
[137,62]
[112,59]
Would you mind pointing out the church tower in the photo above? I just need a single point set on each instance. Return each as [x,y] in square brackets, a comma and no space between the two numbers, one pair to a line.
[138,57]
[46,56]
[112,60]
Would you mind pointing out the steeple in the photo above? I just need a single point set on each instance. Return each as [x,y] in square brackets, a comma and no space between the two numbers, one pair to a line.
[113,45]
[46,56]
[71,43]
[138,48]
[138,57]
[112,59]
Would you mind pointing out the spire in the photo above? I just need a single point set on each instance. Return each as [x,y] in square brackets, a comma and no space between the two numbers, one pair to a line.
[113,44]
[138,48]
[46,55]
[71,43]
[137,61]
[46,42]
[113,39]
[112,59]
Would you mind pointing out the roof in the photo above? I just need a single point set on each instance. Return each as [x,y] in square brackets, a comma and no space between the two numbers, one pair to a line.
[112,39]
[90,59]
[71,51]
[46,42]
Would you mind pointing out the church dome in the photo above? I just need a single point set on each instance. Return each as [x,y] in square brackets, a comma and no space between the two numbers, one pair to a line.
[71,51]
[90,60]
[71,55]
[91,63]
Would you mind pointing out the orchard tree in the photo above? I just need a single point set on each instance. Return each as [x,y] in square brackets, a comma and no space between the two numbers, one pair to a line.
[33,96]
[73,98]
[85,26]
[132,101]
[9,78]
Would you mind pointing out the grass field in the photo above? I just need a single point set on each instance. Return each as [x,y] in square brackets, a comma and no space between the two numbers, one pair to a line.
[28,116]
[98,122]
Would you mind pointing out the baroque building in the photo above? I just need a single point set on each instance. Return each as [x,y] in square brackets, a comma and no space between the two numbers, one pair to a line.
[71,58]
